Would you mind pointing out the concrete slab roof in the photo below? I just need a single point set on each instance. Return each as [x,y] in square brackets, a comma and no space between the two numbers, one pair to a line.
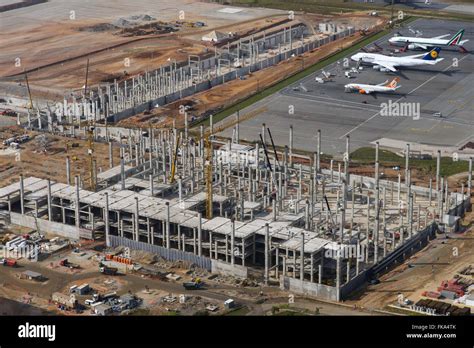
[226,227]
[212,224]
[55,187]
[112,172]
[193,222]
[161,215]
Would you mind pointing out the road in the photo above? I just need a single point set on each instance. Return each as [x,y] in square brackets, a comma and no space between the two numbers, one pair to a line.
[57,281]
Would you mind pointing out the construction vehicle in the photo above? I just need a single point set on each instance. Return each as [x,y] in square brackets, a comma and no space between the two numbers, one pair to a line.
[108,270]
[68,264]
[193,285]
[8,112]
[9,262]
[452,285]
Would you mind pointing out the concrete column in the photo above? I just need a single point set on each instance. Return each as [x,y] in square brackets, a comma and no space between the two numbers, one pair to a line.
[111,155]
[407,164]
[266,252]
[302,258]
[151,184]
[77,202]
[167,225]
[122,172]
[318,152]
[106,218]
[290,145]
[68,171]
[438,168]
[50,210]
[137,220]
[232,243]
[200,234]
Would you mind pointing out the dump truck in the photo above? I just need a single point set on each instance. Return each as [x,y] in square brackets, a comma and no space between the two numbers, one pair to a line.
[108,270]
[9,262]
[193,285]
[68,264]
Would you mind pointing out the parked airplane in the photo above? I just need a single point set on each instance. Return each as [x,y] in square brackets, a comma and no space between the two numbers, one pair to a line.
[367,89]
[425,43]
[387,63]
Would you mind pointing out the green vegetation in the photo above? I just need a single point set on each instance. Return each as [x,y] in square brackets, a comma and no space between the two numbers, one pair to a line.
[366,155]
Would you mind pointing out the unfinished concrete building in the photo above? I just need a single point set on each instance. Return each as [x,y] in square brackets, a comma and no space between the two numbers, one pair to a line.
[275,215]
[237,57]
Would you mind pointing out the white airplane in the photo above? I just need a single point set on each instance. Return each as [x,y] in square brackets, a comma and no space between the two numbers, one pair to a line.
[367,89]
[387,63]
[425,43]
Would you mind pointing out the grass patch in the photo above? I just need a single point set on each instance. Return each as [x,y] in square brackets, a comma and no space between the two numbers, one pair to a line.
[366,155]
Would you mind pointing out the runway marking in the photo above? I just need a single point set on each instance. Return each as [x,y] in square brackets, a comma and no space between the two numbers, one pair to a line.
[327,98]
[413,90]
[334,104]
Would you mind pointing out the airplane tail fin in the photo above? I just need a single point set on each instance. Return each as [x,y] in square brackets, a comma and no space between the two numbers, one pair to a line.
[433,54]
[456,39]
[393,83]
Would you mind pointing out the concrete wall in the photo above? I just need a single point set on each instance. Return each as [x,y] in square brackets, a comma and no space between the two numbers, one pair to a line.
[168,254]
[321,291]
[224,268]
[46,226]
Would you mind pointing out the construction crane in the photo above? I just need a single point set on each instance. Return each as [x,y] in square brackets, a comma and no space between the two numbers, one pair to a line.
[175,159]
[274,148]
[30,105]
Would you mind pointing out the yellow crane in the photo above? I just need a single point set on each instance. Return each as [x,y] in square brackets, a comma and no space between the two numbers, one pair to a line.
[209,152]
[175,158]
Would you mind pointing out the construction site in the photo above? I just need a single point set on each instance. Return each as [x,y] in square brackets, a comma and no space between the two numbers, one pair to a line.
[112,162]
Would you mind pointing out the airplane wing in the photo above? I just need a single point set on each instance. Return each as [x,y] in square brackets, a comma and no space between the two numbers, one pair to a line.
[382,84]
[367,90]
[385,65]
[440,37]
[423,47]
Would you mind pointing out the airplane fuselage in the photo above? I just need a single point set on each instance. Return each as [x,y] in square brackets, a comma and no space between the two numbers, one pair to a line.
[375,59]
[403,40]
[367,89]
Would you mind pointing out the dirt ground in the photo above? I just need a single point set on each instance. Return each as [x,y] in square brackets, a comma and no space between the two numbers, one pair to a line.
[33,161]
[438,261]
[229,93]
[62,58]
